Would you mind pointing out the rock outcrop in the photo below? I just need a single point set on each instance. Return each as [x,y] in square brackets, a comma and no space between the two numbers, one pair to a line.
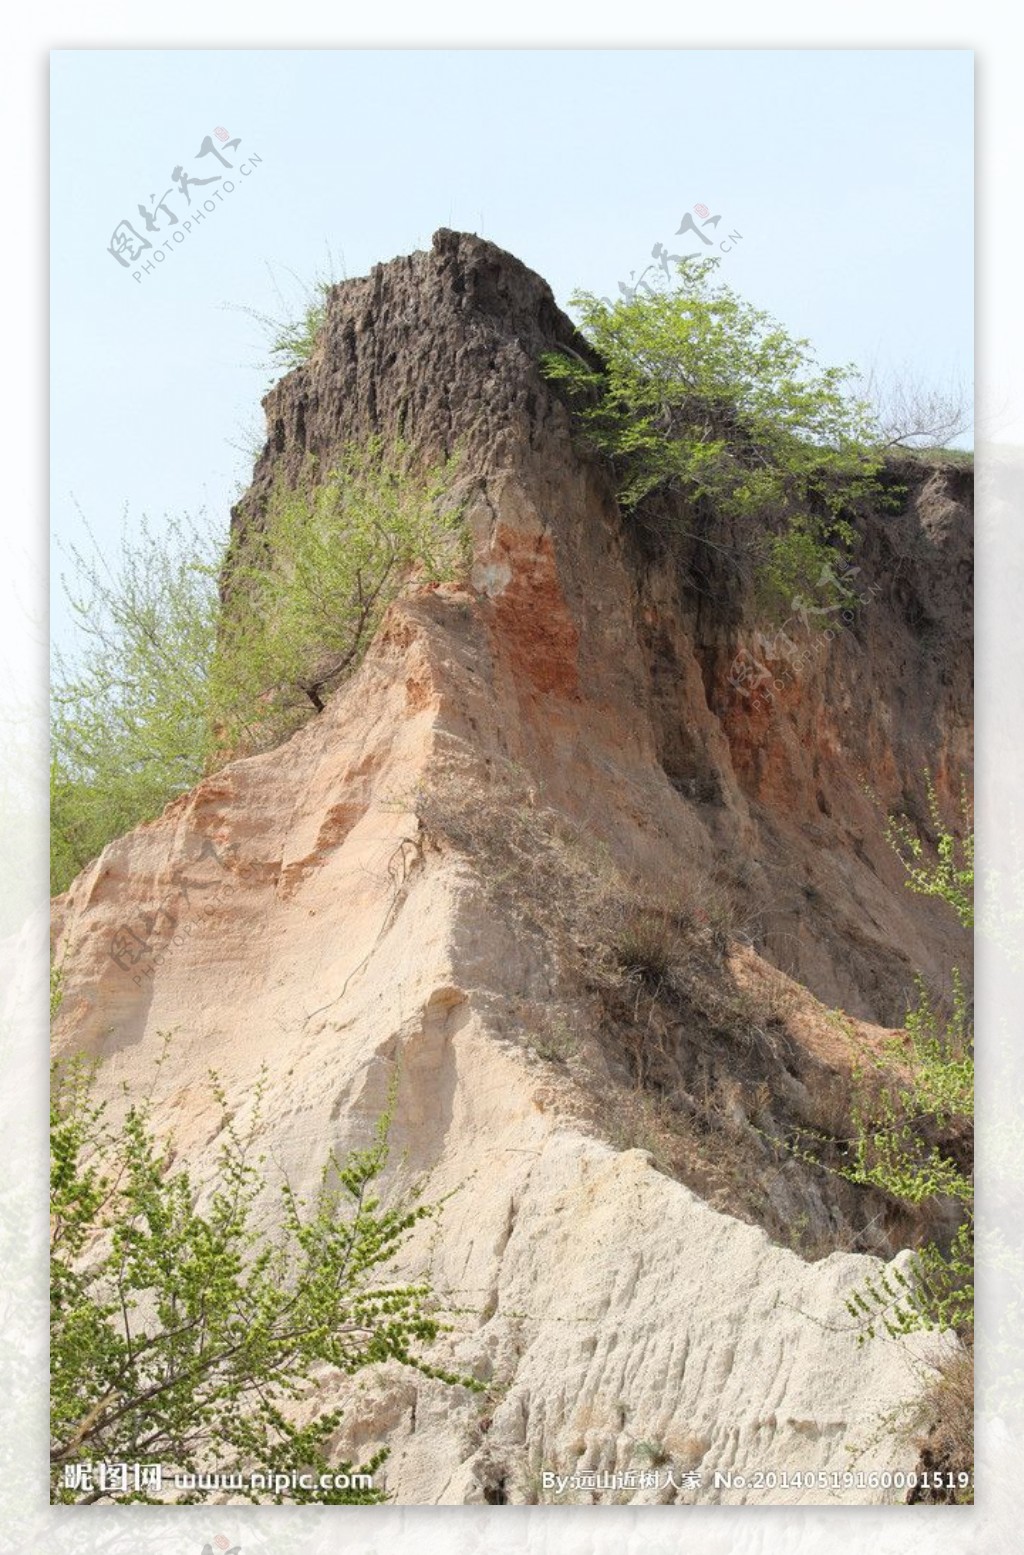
[432,877]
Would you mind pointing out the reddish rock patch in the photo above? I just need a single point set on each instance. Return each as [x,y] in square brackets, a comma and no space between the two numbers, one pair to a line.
[534,631]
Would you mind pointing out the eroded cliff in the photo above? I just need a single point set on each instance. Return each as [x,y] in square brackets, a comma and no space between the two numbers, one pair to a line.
[550,856]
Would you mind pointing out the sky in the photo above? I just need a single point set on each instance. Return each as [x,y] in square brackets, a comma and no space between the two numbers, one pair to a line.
[845,175]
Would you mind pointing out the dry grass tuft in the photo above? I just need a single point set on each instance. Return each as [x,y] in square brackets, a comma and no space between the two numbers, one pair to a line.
[942,1429]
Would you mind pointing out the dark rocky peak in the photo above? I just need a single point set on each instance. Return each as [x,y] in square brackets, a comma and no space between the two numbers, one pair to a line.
[438,348]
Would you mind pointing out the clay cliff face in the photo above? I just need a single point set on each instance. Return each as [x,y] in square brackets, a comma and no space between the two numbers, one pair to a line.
[440,874]
[604,648]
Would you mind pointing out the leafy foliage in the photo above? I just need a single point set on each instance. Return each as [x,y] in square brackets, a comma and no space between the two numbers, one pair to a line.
[893,1123]
[939,1293]
[912,1112]
[167,681]
[180,1336]
[297,338]
[700,391]
[293,331]
[307,596]
[949,876]
[130,721]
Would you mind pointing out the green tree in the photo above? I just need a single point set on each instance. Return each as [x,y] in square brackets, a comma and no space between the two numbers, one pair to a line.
[181,1336]
[166,681]
[697,390]
[308,591]
[130,724]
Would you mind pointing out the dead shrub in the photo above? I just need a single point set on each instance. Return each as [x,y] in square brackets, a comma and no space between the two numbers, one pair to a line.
[942,1429]
[648,944]
[553,1038]
[824,1106]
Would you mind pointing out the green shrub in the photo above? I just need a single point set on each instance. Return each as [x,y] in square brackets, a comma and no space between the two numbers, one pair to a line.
[893,1120]
[294,330]
[949,874]
[130,717]
[700,392]
[180,1337]
[166,681]
[307,593]
[896,1121]
[296,339]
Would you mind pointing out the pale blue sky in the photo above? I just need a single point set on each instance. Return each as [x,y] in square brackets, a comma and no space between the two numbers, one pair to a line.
[848,173]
